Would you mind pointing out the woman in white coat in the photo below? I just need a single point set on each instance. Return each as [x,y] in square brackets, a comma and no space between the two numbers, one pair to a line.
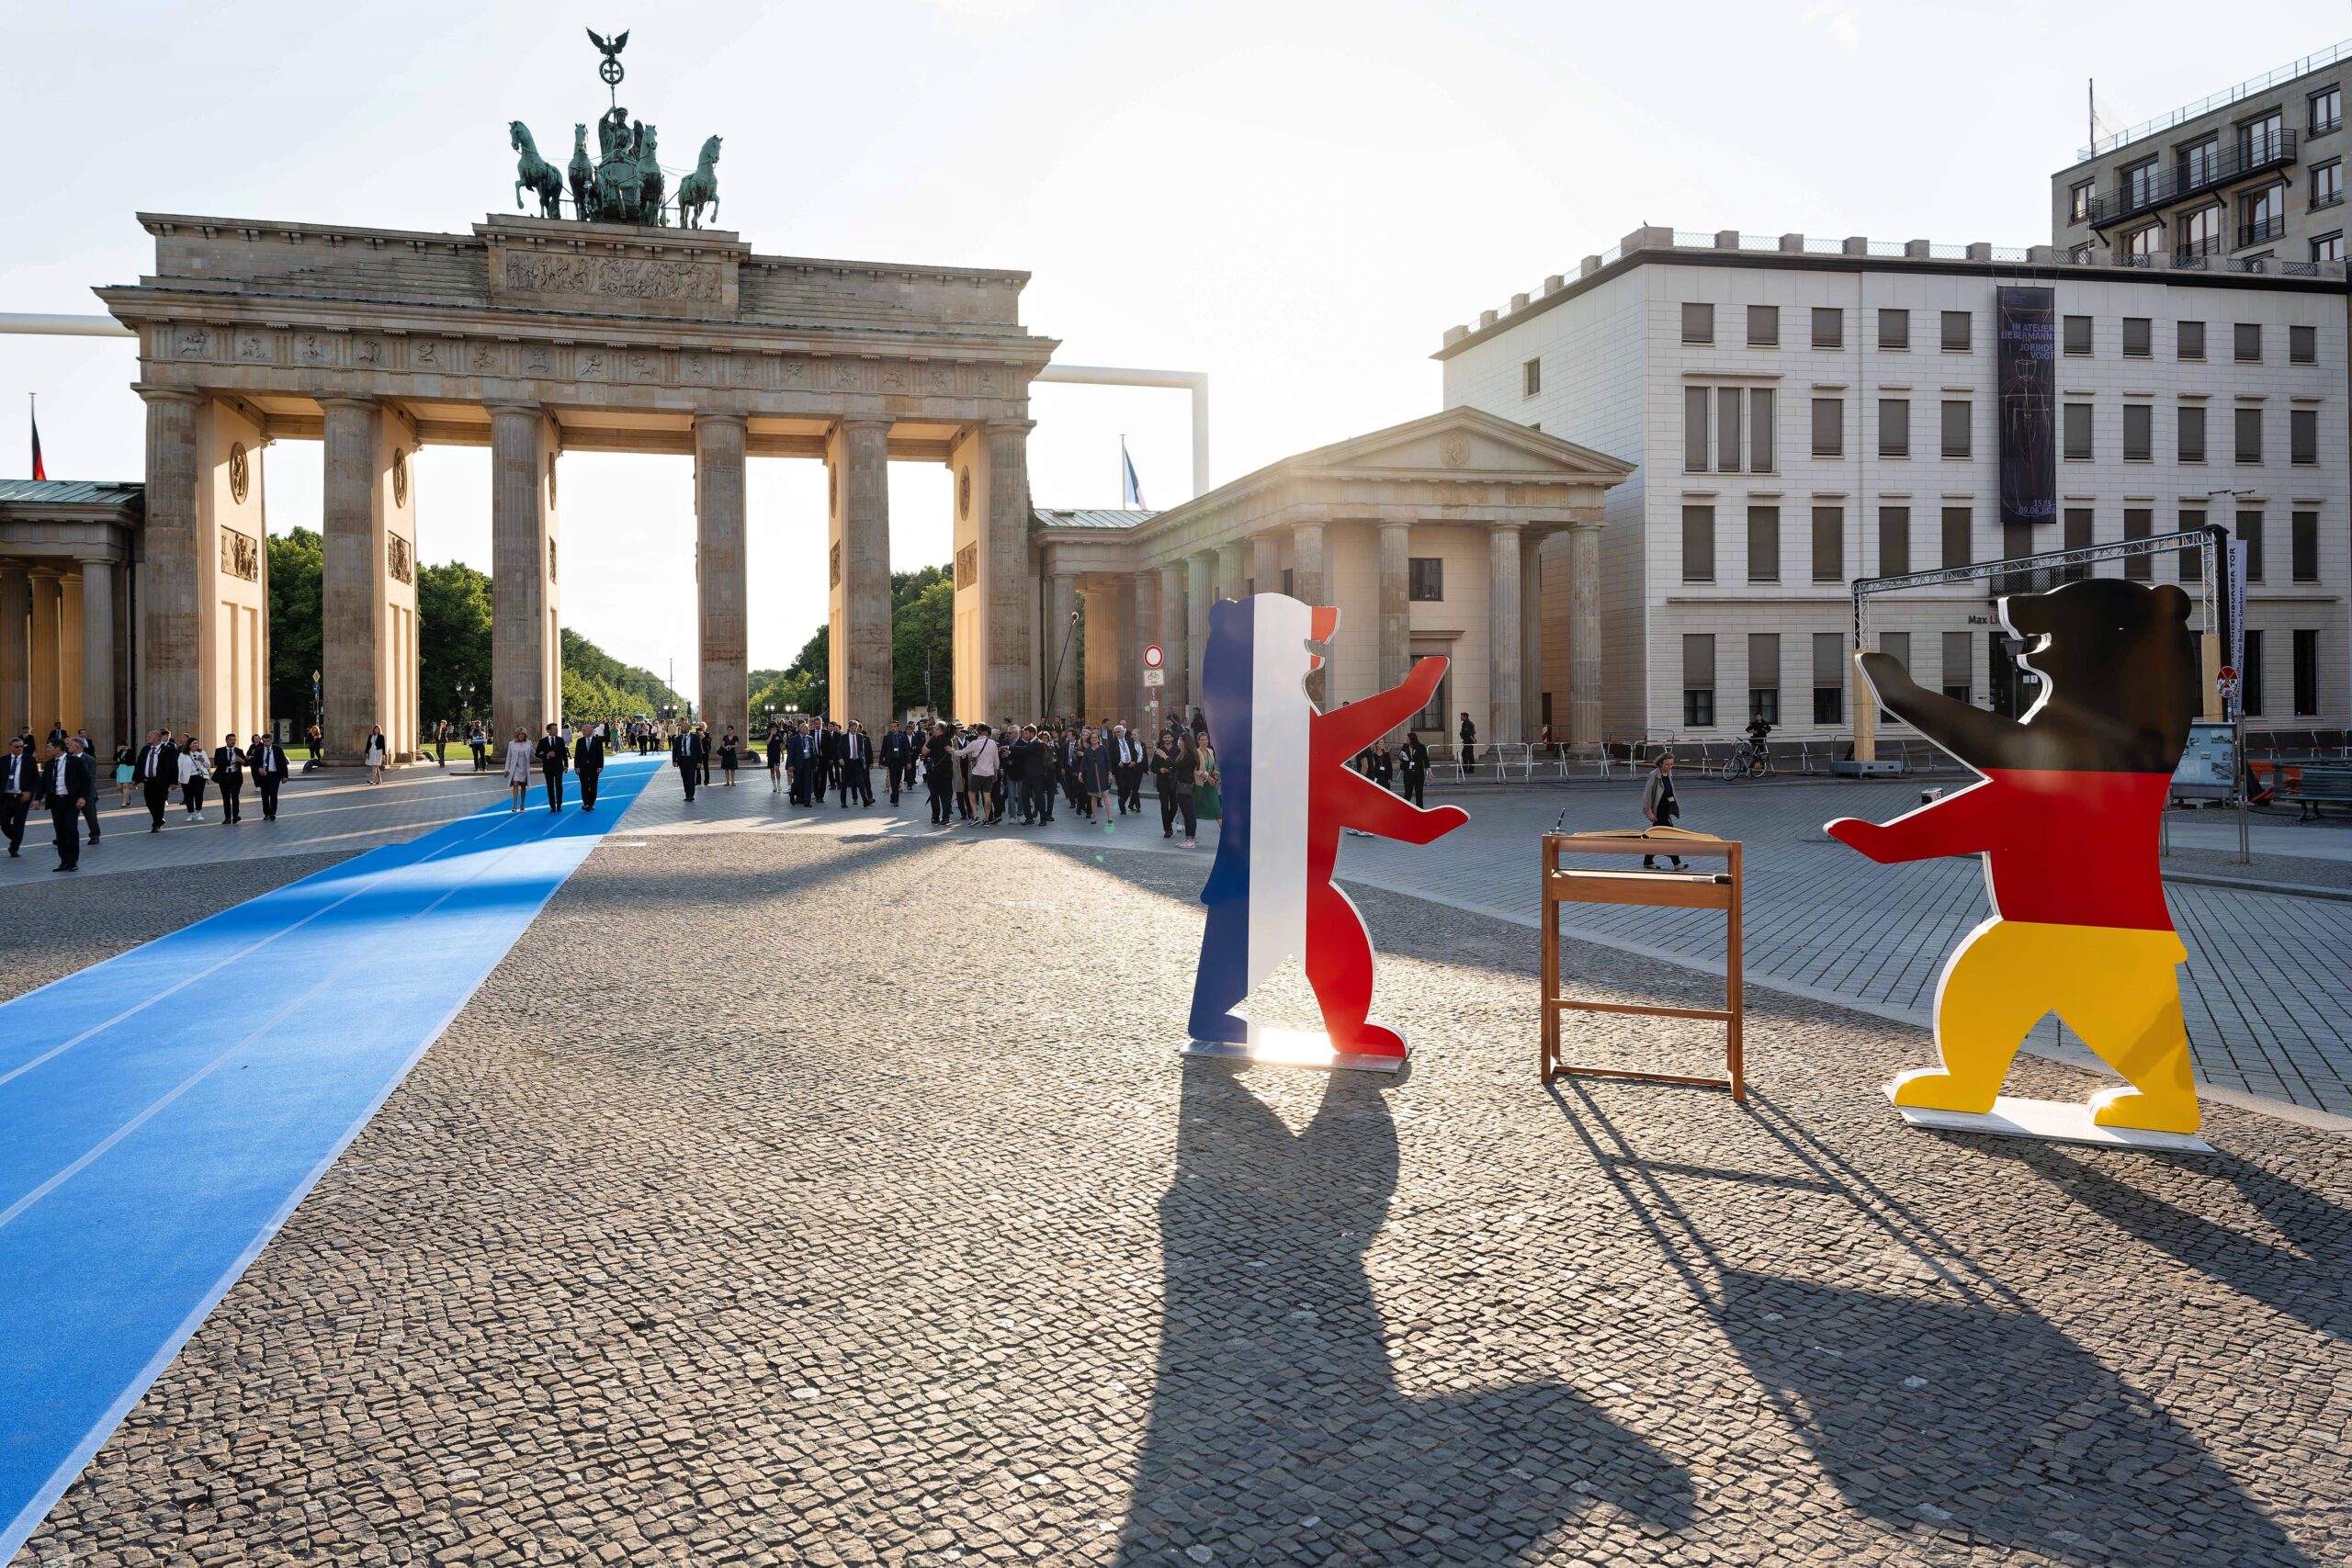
[518,768]
[376,754]
[194,776]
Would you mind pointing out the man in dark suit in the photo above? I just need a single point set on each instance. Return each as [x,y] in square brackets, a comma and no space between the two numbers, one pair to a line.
[857,765]
[268,761]
[588,760]
[20,786]
[689,749]
[553,756]
[897,758]
[799,762]
[156,772]
[229,774]
[829,758]
[70,785]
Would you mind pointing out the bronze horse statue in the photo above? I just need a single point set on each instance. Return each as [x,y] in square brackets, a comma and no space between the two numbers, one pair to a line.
[700,189]
[583,174]
[534,173]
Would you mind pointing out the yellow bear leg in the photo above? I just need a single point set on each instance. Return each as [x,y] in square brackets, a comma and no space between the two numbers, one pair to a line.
[1994,989]
[2131,1018]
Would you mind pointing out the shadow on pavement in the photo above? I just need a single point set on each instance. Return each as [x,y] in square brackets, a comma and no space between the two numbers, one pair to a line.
[1275,1402]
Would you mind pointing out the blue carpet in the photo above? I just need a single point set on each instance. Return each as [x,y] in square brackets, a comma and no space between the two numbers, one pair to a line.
[162,1112]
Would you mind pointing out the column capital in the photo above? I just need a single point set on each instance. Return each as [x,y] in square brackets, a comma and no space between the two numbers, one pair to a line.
[532,411]
[1008,426]
[1579,518]
[719,416]
[349,400]
[155,393]
[881,421]
[98,558]
[1504,524]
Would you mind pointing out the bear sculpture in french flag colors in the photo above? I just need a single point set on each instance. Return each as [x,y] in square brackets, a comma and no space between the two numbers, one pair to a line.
[1289,791]
[2067,819]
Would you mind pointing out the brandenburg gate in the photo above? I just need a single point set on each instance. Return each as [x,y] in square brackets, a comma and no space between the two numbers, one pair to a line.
[534,336]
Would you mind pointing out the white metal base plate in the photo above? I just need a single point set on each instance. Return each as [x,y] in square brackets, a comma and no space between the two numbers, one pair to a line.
[2051,1120]
[1289,1049]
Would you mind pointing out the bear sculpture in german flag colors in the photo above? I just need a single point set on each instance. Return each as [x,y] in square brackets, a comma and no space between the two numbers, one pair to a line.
[2067,817]
[1289,791]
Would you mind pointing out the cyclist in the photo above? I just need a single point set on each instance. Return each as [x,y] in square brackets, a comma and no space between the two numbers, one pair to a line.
[1758,731]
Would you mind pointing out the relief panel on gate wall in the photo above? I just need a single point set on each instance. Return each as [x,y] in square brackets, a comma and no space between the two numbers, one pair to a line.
[240,555]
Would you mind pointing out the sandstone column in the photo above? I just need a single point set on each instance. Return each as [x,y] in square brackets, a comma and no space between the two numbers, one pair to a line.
[1306,586]
[1144,627]
[1062,641]
[1232,570]
[354,650]
[1010,692]
[1531,635]
[170,603]
[1175,639]
[15,648]
[1266,562]
[1199,591]
[1584,633]
[1097,695]
[49,608]
[722,603]
[69,650]
[525,659]
[98,656]
[1503,641]
[1396,606]
[1126,655]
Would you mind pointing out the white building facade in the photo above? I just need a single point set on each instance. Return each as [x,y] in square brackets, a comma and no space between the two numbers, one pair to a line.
[1802,414]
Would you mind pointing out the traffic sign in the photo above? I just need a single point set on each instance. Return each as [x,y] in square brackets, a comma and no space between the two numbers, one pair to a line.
[2225,681]
[1155,677]
[1152,657]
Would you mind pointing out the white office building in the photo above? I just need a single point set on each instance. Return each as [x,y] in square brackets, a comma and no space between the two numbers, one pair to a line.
[1803,413]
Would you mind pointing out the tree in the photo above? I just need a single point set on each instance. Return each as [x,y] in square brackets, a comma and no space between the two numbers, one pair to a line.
[297,561]
[922,640]
[453,643]
[598,686]
[799,684]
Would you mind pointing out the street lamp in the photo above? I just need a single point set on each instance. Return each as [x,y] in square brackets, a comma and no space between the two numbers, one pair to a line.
[318,720]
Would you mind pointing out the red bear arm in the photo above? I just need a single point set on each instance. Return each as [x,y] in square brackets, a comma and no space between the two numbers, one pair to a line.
[1357,802]
[1968,823]
[1350,729]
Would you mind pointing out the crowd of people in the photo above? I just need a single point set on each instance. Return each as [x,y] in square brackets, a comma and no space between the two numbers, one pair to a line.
[60,776]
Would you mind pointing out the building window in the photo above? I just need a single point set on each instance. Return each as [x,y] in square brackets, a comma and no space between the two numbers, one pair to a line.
[2083,255]
[1829,543]
[2076,421]
[1955,431]
[2249,343]
[2328,246]
[2302,345]
[2138,522]
[2142,245]
[2077,335]
[2261,215]
[2078,201]
[1828,678]
[1894,328]
[1288,573]
[1697,544]
[1695,403]
[1425,579]
[1828,427]
[1895,427]
[2139,433]
[2191,421]
[1956,528]
[1956,332]
[2306,672]
[2017,543]
[1763,326]
[2249,422]
[2302,545]
[2327,184]
[2142,183]
[2137,339]
[2201,233]
[2303,435]
[1894,540]
[2327,110]
[1763,544]
[1698,680]
[1764,676]
[1531,378]
[1698,323]
[2261,139]
[1727,429]
[1828,327]
[2192,557]
[2250,535]
[2250,677]
[1960,664]
[1760,430]
[2200,164]
[2188,339]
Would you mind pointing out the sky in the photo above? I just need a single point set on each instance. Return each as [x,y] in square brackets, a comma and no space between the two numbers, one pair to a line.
[1294,197]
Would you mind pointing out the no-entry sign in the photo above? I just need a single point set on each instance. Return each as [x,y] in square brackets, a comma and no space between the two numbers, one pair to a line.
[1153,658]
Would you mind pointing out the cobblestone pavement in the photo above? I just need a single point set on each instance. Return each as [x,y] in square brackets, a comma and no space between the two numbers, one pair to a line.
[814,1194]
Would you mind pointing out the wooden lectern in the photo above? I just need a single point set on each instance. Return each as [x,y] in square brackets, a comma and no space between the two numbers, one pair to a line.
[1655,890]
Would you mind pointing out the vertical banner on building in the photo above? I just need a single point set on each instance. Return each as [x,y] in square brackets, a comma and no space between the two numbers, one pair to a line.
[2237,614]
[2027,340]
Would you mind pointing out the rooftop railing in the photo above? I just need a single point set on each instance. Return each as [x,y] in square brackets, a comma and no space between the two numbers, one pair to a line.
[2207,105]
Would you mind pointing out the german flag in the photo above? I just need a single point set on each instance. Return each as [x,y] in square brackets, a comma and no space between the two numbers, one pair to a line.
[39,472]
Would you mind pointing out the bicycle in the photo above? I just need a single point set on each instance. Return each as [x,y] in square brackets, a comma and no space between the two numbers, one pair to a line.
[1748,761]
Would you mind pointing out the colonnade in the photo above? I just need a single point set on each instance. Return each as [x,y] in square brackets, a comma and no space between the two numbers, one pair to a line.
[59,661]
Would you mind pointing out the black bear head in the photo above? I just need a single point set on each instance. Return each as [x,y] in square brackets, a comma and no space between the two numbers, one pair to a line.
[2119,670]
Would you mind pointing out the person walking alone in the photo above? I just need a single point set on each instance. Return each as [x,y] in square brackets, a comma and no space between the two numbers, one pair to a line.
[1660,806]
[690,754]
[375,753]
[588,765]
[159,772]
[20,785]
[229,771]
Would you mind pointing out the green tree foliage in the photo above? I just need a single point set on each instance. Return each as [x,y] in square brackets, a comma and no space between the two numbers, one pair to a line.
[297,561]
[598,686]
[799,684]
[922,635]
[453,643]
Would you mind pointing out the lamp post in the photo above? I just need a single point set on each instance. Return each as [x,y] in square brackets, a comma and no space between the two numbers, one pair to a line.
[318,721]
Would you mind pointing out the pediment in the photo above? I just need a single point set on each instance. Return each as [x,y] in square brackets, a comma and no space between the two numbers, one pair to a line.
[1467,440]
